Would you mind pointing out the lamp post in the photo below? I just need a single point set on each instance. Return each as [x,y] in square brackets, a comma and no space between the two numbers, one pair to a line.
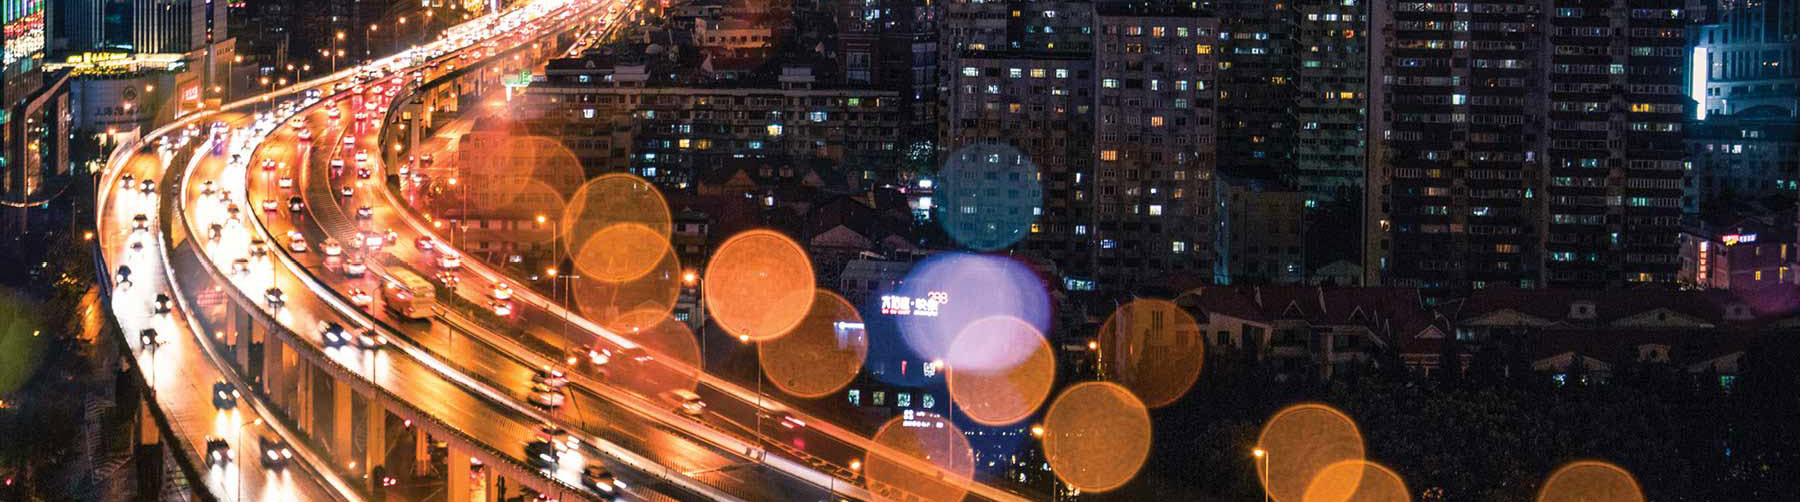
[369,41]
[229,70]
[1263,456]
[335,51]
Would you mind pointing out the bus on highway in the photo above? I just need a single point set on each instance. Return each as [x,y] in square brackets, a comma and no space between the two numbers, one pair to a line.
[408,294]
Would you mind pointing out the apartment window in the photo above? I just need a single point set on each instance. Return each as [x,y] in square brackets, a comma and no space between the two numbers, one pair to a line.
[1080,229]
[1038,73]
[1015,73]
[1156,210]
[1156,121]
[774,129]
[1062,73]
[1203,49]
[970,71]
[1156,31]
[1178,247]
[1109,155]
[1111,83]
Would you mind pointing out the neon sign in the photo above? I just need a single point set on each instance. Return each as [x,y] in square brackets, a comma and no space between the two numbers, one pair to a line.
[912,306]
[1735,239]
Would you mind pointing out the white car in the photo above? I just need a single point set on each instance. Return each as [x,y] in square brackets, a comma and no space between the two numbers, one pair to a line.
[354,268]
[449,261]
[285,182]
[360,298]
[296,242]
[502,291]
[305,134]
[501,309]
[545,396]
[331,247]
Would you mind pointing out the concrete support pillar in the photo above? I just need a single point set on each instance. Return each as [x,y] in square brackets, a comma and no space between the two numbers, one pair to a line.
[146,430]
[375,444]
[271,366]
[242,337]
[304,404]
[341,432]
[458,482]
[421,451]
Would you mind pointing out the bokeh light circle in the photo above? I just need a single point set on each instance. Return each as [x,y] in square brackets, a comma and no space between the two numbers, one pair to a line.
[821,355]
[1000,370]
[1590,481]
[609,200]
[1096,436]
[616,253]
[920,457]
[501,173]
[607,302]
[988,195]
[1154,348]
[1357,481]
[677,354]
[1299,442]
[759,284]
[949,291]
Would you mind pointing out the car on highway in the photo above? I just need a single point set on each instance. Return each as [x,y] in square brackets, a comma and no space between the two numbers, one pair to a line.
[424,244]
[331,110]
[502,309]
[224,396]
[233,213]
[218,452]
[448,260]
[140,222]
[636,354]
[296,241]
[305,134]
[365,213]
[550,377]
[259,248]
[286,181]
[215,231]
[597,478]
[275,454]
[686,402]
[545,396]
[296,204]
[331,247]
[784,419]
[268,165]
[362,157]
[558,437]
[276,297]
[449,279]
[240,266]
[502,291]
[269,205]
[127,181]
[541,454]
[350,139]
[347,191]
[360,298]
[161,305]
[363,172]
[337,167]
[149,337]
[332,335]
[147,187]
[368,339]
[355,268]
[208,188]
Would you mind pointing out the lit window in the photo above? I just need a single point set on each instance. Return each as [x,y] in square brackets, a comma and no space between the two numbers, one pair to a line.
[1038,73]
[1109,155]
[1015,73]
[970,71]
[774,129]
[1178,247]
[1080,229]
[816,116]
[1156,210]
[855,396]
[1035,228]
[587,113]
[1156,31]
[1202,49]
[1013,108]
[1062,73]
[1156,121]
[1111,83]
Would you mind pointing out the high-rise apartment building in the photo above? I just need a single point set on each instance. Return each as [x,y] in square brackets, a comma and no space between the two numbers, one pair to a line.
[176,26]
[1750,56]
[1153,138]
[1257,80]
[1614,159]
[1453,162]
[1330,93]
[1530,144]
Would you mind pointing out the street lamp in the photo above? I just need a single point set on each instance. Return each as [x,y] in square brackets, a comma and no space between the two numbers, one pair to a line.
[335,51]
[1263,456]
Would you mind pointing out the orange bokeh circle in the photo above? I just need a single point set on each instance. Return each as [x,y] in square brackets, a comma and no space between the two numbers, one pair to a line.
[676,364]
[1000,370]
[759,284]
[607,302]
[1298,443]
[499,171]
[1590,481]
[619,252]
[820,356]
[610,200]
[925,458]
[1359,481]
[1096,436]
[1154,348]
